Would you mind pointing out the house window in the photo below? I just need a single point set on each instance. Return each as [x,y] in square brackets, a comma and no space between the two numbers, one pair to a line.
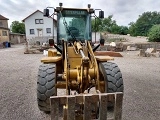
[4,33]
[39,21]
[31,31]
[48,30]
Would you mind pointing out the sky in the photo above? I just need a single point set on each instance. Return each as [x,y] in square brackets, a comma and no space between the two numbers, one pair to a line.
[123,11]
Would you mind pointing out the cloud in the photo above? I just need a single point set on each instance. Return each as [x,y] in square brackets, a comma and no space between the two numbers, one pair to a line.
[123,11]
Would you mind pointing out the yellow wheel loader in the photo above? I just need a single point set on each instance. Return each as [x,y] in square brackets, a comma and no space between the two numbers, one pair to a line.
[92,83]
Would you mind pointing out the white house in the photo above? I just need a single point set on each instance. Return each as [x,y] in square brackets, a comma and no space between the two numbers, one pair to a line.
[39,28]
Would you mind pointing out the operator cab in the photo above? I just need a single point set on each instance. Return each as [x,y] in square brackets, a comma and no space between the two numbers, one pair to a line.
[73,24]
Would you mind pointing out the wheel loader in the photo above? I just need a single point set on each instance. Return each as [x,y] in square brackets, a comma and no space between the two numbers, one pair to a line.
[92,83]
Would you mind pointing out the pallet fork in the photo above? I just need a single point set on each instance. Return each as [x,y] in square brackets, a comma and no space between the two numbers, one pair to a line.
[88,100]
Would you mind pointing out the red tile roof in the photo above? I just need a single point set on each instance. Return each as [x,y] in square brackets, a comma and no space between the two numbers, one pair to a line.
[3,18]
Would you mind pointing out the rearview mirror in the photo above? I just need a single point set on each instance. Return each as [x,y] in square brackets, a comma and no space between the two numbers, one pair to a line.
[102,42]
[46,12]
[101,14]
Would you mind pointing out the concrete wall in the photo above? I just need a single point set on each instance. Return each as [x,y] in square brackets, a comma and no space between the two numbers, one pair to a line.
[97,36]
[17,38]
[42,40]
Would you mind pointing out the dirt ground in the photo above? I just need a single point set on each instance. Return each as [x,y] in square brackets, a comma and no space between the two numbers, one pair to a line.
[18,76]
[129,39]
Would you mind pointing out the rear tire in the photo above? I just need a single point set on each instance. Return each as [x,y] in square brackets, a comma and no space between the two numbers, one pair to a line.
[112,76]
[46,86]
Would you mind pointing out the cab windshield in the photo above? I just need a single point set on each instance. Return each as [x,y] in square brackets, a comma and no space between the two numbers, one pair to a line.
[74,24]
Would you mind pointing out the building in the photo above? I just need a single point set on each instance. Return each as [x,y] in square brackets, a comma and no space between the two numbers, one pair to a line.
[39,28]
[16,38]
[4,30]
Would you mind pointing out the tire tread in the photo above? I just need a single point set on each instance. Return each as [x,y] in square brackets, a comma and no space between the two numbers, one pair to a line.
[113,75]
[46,85]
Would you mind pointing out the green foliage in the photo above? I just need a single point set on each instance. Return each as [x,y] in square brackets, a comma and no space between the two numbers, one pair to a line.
[154,34]
[115,29]
[132,29]
[96,25]
[17,27]
[122,30]
[109,25]
[143,24]
[139,28]
[103,24]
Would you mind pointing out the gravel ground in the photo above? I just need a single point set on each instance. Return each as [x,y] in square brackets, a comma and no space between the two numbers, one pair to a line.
[18,73]
[142,86]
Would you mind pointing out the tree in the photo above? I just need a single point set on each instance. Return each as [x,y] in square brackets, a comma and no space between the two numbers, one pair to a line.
[154,34]
[124,30]
[18,27]
[143,24]
[132,29]
[96,25]
[115,29]
[109,25]
[103,24]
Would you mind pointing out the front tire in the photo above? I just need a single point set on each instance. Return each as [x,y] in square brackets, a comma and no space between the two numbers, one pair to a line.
[46,86]
[112,77]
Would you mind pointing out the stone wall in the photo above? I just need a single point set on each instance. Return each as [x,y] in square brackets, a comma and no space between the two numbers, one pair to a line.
[16,38]
[155,45]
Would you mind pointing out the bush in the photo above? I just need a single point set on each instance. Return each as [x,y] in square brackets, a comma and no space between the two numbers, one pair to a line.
[154,34]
